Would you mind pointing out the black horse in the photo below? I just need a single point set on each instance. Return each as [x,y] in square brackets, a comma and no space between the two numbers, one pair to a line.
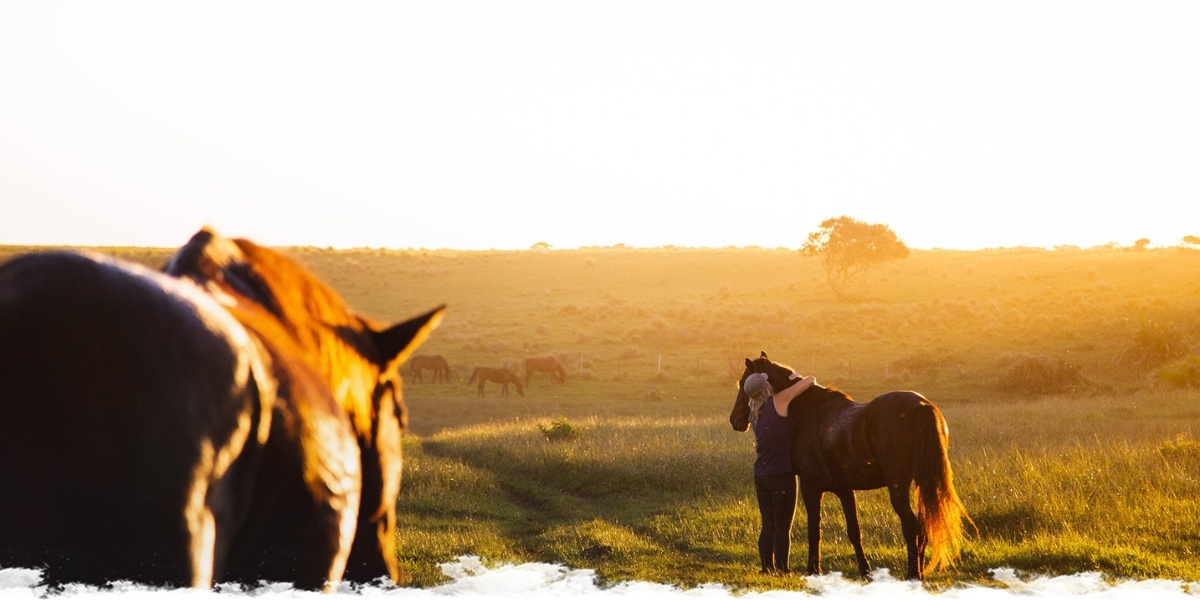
[894,441]
[133,411]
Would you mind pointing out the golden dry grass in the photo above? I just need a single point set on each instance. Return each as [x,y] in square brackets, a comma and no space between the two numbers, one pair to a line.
[1068,450]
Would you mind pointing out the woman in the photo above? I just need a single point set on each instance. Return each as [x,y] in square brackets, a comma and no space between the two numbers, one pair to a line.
[774,477]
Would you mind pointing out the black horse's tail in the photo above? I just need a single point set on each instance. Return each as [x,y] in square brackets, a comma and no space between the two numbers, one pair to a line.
[939,508]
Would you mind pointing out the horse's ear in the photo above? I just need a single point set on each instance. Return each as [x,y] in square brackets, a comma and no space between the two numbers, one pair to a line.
[763,355]
[398,342]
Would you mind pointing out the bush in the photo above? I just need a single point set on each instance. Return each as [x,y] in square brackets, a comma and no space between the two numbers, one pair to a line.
[559,431]
[1183,373]
[1182,450]
[1153,344]
[1042,375]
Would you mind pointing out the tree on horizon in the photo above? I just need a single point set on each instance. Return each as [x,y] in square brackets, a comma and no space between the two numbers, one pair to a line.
[848,248]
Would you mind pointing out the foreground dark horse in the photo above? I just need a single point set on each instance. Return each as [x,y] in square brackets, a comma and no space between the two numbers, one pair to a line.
[328,352]
[501,376]
[433,362]
[840,446]
[545,364]
[158,431]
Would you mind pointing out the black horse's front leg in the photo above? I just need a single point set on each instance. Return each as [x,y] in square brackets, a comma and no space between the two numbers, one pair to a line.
[812,507]
[850,509]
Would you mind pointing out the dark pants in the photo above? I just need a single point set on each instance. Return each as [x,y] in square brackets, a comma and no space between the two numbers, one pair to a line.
[777,505]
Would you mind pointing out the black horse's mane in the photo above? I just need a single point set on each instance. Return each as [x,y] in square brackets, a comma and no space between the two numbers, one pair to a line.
[826,391]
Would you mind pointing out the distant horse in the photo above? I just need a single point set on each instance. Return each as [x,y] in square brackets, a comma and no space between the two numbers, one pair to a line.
[158,432]
[435,362]
[894,441]
[545,364]
[326,353]
[501,376]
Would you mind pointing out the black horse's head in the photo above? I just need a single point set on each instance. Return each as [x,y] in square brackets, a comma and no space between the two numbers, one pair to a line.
[778,375]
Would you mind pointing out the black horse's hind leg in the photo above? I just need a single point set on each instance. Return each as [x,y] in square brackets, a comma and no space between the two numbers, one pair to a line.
[812,506]
[850,509]
[911,528]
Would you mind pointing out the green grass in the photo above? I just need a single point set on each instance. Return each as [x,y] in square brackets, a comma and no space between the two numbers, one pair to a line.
[670,500]
[1074,420]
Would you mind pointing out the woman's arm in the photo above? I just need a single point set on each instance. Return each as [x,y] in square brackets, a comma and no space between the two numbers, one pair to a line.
[783,398]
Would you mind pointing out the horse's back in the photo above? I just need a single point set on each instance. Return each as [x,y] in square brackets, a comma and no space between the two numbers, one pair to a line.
[115,407]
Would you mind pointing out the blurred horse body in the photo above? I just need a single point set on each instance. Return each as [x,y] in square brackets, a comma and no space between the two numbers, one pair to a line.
[229,421]
[434,362]
[895,441]
[502,376]
[545,364]
[134,408]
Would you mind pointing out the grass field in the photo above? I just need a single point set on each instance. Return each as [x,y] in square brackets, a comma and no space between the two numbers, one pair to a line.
[1064,375]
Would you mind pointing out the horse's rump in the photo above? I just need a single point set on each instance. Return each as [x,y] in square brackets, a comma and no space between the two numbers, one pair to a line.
[128,401]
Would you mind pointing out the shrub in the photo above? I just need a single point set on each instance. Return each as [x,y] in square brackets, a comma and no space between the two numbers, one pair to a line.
[1153,344]
[1042,375]
[1183,373]
[1182,450]
[560,430]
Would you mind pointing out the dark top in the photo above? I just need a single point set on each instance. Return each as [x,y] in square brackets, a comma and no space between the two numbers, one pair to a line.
[773,441]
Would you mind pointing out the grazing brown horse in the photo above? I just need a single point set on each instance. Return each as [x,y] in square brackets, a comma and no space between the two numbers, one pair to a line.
[434,362]
[894,441]
[328,354]
[545,364]
[157,431]
[502,376]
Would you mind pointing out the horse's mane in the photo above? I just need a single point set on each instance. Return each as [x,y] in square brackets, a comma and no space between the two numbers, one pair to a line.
[305,309]
[305,298]
[766,365]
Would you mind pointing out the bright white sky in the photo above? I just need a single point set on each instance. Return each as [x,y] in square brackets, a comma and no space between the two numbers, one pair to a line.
[488,124]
